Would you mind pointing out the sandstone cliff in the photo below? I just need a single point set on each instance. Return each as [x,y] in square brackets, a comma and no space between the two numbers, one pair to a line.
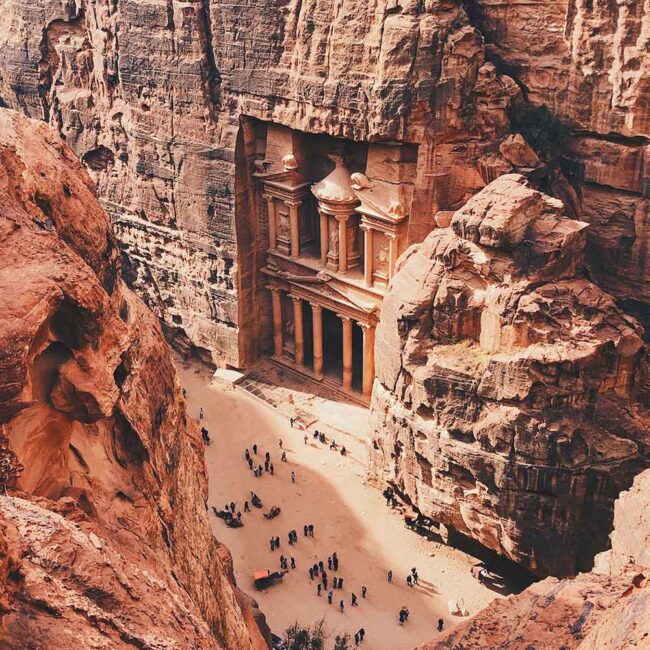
[512,395]
[607,609]
[104,532]
[154,97]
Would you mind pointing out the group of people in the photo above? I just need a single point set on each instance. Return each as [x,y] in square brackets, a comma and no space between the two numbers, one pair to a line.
[320,436]
[268,466]
[413,578]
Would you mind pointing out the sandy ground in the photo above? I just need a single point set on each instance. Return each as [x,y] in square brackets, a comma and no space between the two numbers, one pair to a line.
[349,517]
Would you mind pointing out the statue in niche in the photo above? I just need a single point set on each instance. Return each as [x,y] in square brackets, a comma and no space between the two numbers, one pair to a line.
[283,224]
[334,239]
[382,258]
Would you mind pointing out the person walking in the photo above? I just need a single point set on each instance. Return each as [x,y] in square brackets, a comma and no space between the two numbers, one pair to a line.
[305,530]
[356,638]
[311,573]
[277,542]
[259,470]
[321,566]
[362,634]
[330,595]
[291,421]
[246,507]
[232,507]
[201,413]
[409,580]
[335,561]
[354,600]
[271,468]
[280,443]
[283,458]
[255,449]
[293,477]
[318,588]
[329,562]
[324,580]
[311,530]
[273,543]
[441,624]
[341,606]
[306,438]
[293,562]
[340,583]
[364,591]
[416,578]
[290,537]
[250,463]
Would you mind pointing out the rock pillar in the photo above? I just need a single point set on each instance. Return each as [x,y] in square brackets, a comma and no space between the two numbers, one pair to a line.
[347,351]
[367,255]
[317,328]
[298,332]
[368,358]
[294,226]
[276,298]
[273,233]
[324,238]
[392,253]
[343,243]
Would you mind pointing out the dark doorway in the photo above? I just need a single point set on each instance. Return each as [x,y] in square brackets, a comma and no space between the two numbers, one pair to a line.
[357,357]
[308,329]
[332,346]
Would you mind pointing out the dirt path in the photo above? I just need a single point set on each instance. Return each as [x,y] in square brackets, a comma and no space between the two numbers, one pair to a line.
[349,517]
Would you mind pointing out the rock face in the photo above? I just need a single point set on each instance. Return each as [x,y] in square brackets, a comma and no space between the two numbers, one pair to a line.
[607,609]
[512,395]
[155,98]
[104,533]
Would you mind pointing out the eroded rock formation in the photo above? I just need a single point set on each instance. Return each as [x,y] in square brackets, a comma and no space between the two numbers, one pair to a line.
[606,609]
[151,96]
[104,535]
[512,395]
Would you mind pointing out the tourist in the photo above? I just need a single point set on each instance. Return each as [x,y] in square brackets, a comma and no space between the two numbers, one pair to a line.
[306,438]
[311,531]
[409,580]
[273,543]
[282,561]
[364,591]
[329,559]
[293,477]
[356,638]
[341,606]
[335,583]
[362,634]
[271,468]
[280,443]
[333,444]
[267,457]
[259,470]
[311,573]
[293,562]
[305,530]
[354,600]
[266,465]
[290,536]
[250,463]
[321,566]
[315,567]
[324,580]
[335,561]
[291,421]
[416,578]
[441,624]
[322,438]
[318,588]
[246,507]
[205,435]
[283,458]
[330,595]
[201,413]
[239,516]
[184,392]
[316,434]
[247,454]
[255,449]
[277,542]
[232,506]
[344,451]
[340,583]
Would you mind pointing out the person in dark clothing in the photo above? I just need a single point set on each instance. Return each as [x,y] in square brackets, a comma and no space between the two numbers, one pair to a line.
[389,575]
[283,458]
[311,573]
[277,542]
[356,638]
[305,530]
[340,583]
[250,463]
[259,470]
[362,634]
[321,566]
[232,506]
[354,600]
[311,530]
[267,456]
[266,465]
[441,624]
[364,591]
[318,588]
[246,507]
[341,606]
[409,580]
[335,561]
[293,562]
[315,567]
[255,449]
[416,578]
[273,543]
[324,581]
[329,562]
[330,595]
[290,536]
[271,468]
[247,454]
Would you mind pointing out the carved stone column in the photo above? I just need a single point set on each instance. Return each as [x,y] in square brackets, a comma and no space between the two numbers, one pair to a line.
[295,226]
[392,253]
[347,351]
[273,233]
[324,237]
[343,242]
[298,332]
[276,298]
[368,358]
[367,255]
[317,329]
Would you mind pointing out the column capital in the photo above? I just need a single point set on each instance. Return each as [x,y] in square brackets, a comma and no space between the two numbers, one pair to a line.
[268,197]
[316,307]
[366,326]
[344,318]
[292,204]
[295,298]
[342,217]
[365,227]
[274,290]
[391,235]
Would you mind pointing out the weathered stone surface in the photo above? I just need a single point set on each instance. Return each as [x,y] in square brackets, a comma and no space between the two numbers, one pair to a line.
[106,525]
[512,393]
[600,610]
[151,96]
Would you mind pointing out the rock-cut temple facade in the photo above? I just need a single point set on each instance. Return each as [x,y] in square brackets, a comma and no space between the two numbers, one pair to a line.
[334,217]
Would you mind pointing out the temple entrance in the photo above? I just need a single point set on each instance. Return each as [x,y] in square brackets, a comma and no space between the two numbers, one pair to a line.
[308,321]
[332,346]
[357,357]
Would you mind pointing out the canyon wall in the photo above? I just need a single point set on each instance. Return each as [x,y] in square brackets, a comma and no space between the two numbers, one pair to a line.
[511,401]
[606,609]
[105,537]
[150,95]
